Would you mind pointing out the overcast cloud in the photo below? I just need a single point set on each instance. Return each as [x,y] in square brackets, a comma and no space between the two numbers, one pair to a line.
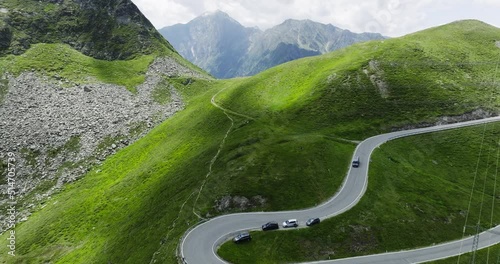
[389,17]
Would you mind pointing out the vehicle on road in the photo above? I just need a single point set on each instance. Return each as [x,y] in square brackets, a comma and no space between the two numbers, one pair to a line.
[242,237]
[312,221]
[270,226]
[290,223]
[355,162]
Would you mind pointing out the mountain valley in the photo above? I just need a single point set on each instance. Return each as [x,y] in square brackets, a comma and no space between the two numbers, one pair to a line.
[123,146]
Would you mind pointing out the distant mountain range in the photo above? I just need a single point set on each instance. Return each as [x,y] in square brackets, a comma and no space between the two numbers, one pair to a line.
[223,47]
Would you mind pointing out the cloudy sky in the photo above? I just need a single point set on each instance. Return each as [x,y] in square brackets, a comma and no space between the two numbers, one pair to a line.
[389,17]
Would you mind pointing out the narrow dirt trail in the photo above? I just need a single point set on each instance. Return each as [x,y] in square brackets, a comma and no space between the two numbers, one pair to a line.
[212,101]
[207,176]
[212,162]
[171,228]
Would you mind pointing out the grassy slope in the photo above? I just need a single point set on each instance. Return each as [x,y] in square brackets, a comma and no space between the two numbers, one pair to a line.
[75,67]
[447,70]
[418,186]
[142,198]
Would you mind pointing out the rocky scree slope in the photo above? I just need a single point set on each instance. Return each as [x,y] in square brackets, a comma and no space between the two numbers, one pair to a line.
[58,133]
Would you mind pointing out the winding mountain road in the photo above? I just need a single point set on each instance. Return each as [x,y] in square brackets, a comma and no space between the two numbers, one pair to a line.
[200,244]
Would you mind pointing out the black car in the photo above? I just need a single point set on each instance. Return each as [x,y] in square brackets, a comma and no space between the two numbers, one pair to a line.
[355,162]
[242,237]
[270,226]
[312,221]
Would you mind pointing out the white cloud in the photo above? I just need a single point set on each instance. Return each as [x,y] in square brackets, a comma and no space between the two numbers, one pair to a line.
[488,2]
[389,17]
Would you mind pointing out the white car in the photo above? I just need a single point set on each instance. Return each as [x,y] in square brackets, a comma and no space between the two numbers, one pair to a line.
[290,223]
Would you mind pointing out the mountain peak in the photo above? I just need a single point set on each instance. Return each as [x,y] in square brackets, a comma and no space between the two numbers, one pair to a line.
[456,29]
[217,12]
[216,15]
[293,20]
[469,24]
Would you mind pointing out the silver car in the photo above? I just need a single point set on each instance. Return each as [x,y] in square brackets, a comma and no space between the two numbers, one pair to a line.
[290,223]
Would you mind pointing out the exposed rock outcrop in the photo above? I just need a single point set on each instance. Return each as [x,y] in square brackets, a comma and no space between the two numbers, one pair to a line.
[238,203]
[473,115]
[376,75]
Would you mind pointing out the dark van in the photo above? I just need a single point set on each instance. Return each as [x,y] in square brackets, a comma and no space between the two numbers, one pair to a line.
[355,162]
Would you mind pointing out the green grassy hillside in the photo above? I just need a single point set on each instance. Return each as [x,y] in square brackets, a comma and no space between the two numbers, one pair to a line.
[74,66]
[60,61]
[136,206]
[446,70]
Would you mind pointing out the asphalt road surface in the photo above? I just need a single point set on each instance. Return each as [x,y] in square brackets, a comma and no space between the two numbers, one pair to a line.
[200,244]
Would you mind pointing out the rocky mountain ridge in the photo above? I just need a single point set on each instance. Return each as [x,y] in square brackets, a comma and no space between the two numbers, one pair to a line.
[214,41]
[109,30]
[222,46]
